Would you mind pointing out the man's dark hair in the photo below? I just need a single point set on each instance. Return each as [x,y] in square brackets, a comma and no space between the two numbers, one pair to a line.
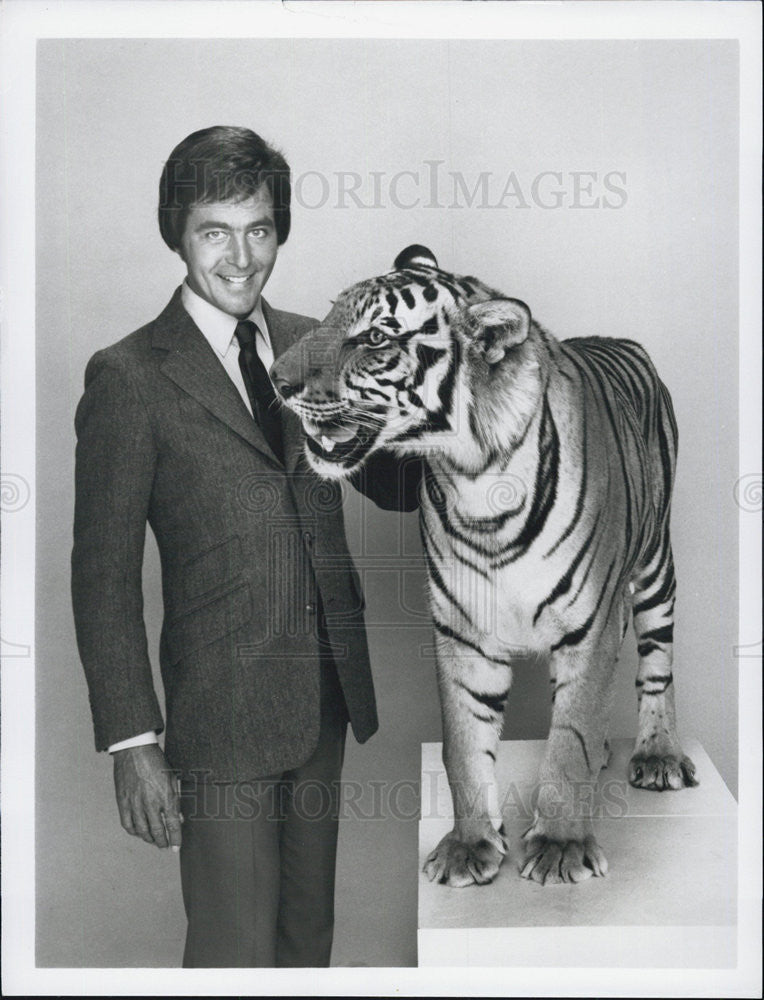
[221,163]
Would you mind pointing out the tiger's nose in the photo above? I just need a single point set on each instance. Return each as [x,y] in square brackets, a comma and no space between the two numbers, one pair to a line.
[286,387]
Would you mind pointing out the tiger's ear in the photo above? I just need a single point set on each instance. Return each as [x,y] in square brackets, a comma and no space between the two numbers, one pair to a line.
[413,255]
[497,326]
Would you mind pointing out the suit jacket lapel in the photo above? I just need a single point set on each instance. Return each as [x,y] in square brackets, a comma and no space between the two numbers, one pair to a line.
[192,364]
[282,338]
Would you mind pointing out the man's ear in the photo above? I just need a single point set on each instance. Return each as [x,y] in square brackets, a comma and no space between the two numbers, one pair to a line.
[497,326]
[415,255]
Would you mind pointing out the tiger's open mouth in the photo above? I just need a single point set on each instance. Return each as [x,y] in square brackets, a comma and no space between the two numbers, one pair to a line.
[339,444]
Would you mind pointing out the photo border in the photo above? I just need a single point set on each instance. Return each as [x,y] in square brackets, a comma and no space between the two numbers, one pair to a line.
[23,23]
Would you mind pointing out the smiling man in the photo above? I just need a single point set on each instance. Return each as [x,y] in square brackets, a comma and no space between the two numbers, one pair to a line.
[229,249]
[263,652]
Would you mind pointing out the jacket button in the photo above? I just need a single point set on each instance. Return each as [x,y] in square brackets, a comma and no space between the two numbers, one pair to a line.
[310,608]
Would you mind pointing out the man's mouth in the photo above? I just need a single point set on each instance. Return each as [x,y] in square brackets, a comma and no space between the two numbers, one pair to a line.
[339,443]
[236,279]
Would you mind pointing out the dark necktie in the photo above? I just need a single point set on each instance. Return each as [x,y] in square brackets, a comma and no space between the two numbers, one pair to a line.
[262,395]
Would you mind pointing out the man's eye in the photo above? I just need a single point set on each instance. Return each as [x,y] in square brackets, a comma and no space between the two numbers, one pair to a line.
[376,338]
[216,235]
[258,234]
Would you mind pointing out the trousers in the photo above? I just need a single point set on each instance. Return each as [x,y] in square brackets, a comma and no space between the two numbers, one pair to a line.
[258,858]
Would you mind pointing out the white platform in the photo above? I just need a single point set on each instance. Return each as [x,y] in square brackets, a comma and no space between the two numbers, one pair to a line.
[669,898]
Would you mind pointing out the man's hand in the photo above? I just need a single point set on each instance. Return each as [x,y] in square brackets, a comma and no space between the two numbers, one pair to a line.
[147,796]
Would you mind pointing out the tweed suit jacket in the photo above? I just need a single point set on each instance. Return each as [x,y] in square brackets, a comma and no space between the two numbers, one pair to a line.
[249,545]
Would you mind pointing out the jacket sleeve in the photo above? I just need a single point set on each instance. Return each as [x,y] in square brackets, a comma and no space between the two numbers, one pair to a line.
[114,470]
[391,482]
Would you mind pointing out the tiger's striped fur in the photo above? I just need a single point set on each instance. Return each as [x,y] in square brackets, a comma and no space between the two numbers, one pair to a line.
[545,522]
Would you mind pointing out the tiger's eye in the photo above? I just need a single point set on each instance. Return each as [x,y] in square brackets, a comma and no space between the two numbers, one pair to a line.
[377,338]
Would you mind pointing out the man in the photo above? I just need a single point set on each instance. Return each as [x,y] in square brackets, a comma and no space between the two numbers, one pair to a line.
[263,652]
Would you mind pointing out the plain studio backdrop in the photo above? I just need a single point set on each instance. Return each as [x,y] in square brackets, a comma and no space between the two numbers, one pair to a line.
[594,180]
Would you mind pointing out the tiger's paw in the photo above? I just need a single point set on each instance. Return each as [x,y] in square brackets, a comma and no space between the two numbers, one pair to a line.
[549,861]
[458,862]
[659,772]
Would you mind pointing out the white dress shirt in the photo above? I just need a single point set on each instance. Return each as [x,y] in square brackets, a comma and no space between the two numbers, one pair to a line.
[218,328]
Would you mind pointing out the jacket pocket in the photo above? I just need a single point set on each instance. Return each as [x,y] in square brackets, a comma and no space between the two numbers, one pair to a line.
[213,568]
[212,621]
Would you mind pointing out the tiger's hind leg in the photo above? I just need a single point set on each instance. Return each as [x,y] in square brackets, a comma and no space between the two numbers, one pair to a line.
[658,761]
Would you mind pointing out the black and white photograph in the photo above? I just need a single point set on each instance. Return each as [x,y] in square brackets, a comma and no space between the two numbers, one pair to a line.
[381,498]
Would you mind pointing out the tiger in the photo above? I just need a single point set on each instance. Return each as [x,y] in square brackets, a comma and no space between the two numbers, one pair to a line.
[544,515]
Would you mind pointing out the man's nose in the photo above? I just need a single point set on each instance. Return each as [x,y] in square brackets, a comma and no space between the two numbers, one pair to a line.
[239,252]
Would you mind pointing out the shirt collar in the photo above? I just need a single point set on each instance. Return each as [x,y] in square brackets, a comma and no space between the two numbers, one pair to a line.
[217,326]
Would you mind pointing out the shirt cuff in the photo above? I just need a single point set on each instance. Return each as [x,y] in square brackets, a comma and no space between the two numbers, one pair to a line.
[142,740]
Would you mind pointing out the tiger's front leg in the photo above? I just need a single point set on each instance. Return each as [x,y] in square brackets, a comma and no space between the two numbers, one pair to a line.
[560,845]
[473,695]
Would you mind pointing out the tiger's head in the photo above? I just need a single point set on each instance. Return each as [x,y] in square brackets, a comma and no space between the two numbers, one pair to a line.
[416,360]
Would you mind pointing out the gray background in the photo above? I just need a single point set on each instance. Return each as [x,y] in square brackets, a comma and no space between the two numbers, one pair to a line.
[661,269]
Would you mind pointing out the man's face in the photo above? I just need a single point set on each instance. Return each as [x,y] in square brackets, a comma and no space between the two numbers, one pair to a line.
[229,248]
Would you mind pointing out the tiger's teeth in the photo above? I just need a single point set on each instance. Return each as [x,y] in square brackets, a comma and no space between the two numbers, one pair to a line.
[327,443]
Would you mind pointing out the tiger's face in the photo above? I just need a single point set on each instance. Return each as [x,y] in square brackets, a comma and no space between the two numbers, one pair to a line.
[386,366]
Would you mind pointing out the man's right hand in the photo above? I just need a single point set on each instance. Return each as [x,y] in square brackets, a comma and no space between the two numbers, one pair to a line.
[147,796]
